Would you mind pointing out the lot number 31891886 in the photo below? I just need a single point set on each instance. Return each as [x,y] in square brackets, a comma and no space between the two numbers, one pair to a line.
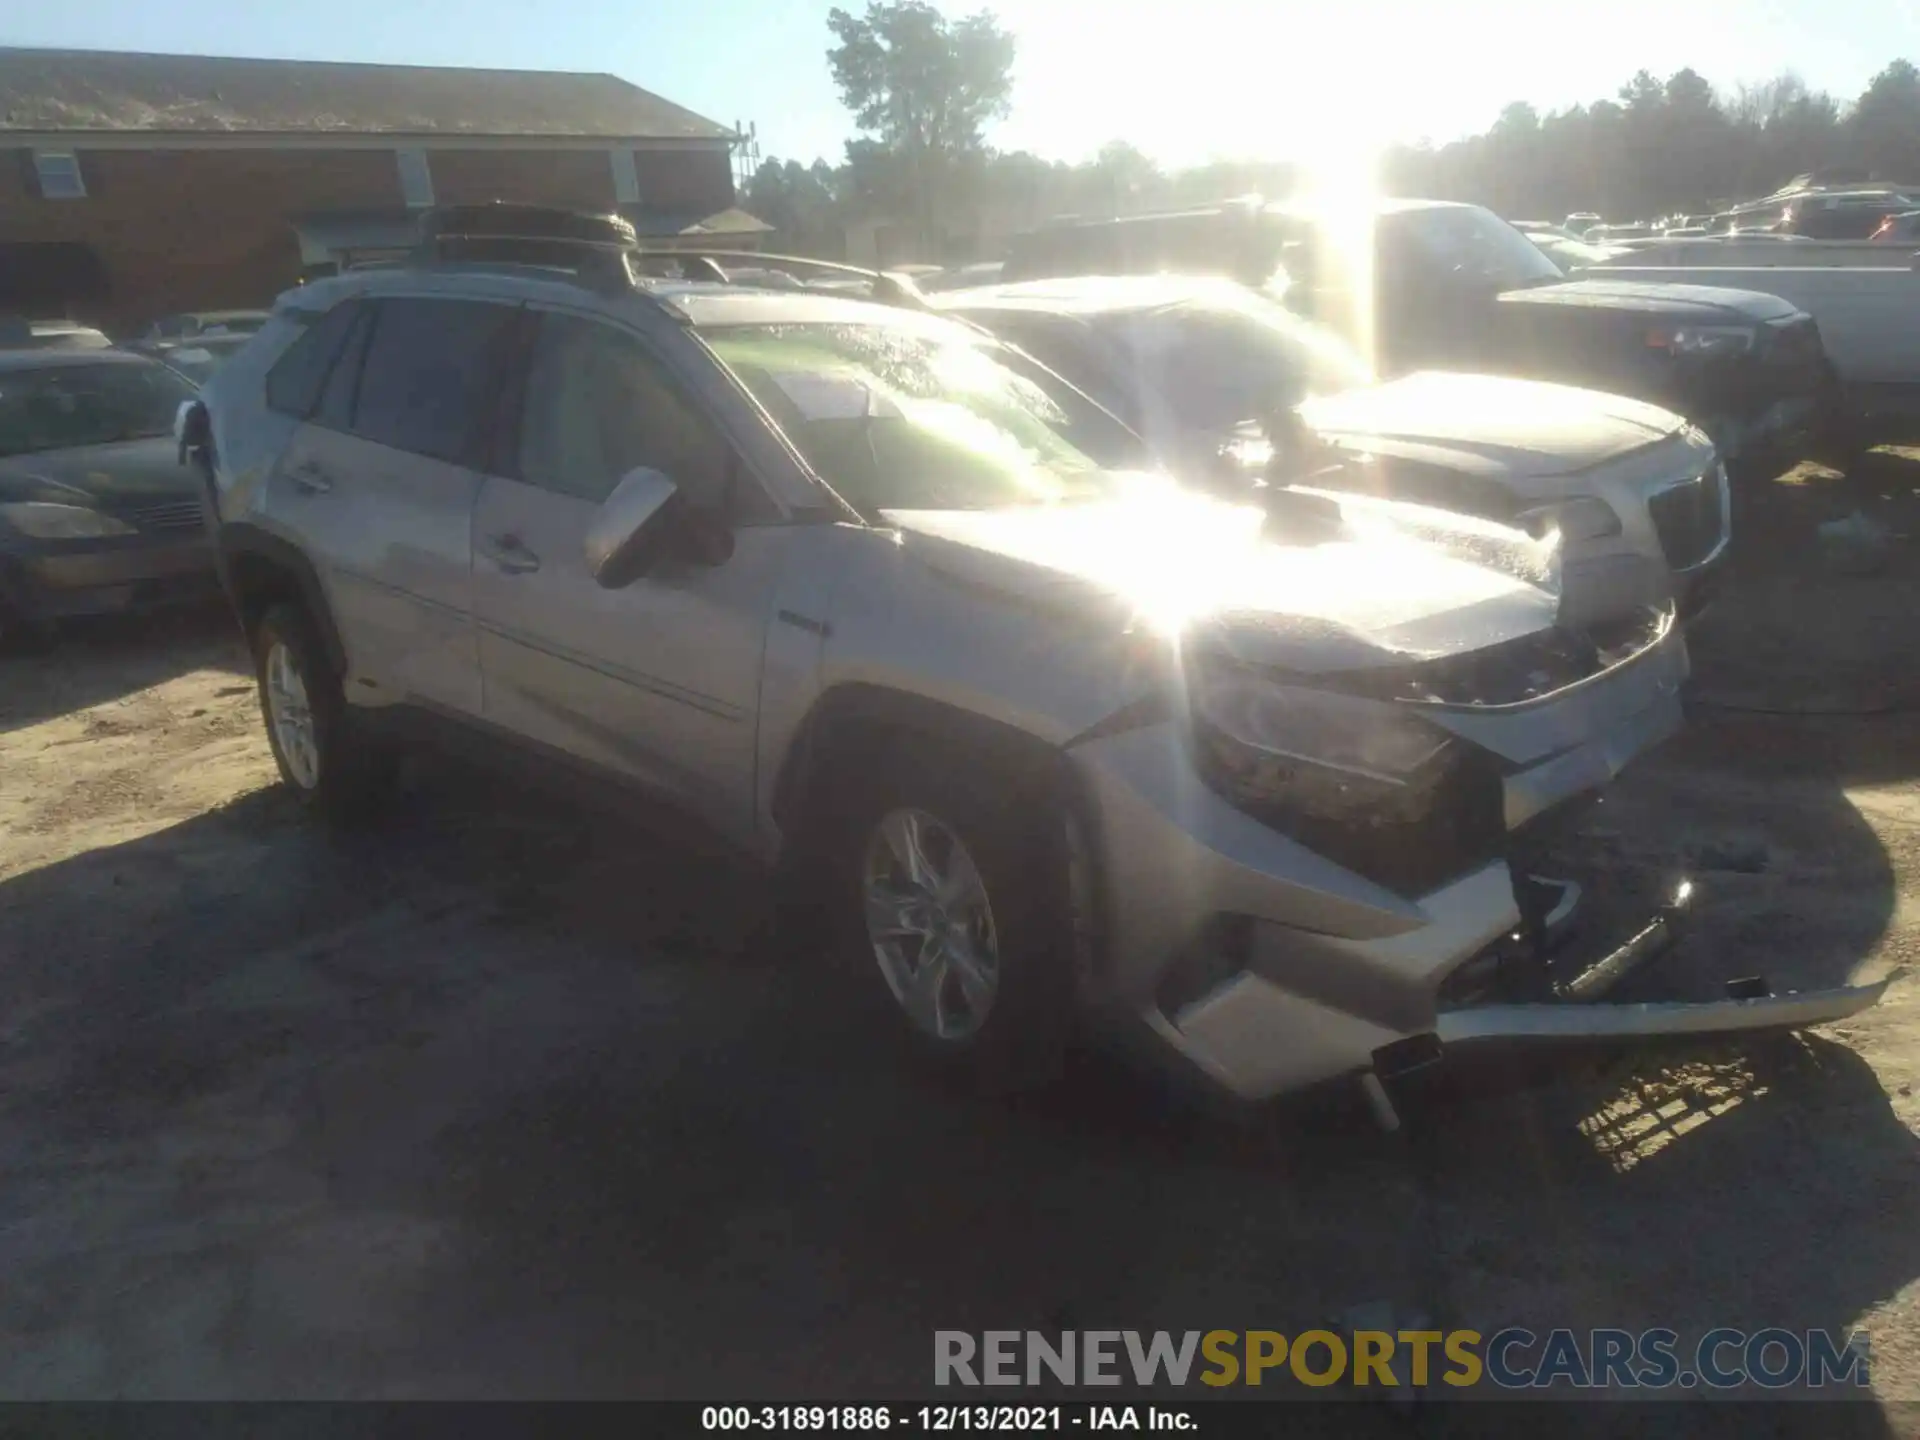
[935,1418]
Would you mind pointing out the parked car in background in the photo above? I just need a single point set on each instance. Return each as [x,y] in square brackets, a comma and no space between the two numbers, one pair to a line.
[1865,298]
[1578,223]
[1036,733]
[984,272]
[1841,214]
[1900,229]
[1636,493]
[1450,286]
[198,359]
[1569,254]
[17,333]
[1614,234]
[96,513]
[174,329]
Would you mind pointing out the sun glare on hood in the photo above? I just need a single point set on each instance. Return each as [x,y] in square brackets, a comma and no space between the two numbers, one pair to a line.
[1174,556]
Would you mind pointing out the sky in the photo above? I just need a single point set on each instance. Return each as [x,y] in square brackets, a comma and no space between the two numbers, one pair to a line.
[1185,80]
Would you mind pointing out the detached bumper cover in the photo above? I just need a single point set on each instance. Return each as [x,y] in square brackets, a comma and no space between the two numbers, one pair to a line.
[1577,1024]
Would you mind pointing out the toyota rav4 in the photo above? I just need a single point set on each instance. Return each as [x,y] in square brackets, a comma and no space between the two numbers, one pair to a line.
[1045,735]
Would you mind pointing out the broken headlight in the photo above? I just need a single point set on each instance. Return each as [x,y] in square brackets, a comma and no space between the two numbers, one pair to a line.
[1367,785]
[1311,752]
[1583,518]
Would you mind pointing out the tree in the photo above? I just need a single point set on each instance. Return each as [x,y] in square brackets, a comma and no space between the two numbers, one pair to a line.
[924,90]
[923,87]
[1125,174]
[797,200]
[1886,122]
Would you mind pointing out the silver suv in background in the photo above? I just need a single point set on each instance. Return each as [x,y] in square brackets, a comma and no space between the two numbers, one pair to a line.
[1191,362]
[893,607]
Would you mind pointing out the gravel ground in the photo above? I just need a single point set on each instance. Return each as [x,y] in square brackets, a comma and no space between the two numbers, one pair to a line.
[501,1100]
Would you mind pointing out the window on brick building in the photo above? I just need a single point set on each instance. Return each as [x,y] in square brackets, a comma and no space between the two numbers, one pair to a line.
[59,174]
[626,183]
[416,179]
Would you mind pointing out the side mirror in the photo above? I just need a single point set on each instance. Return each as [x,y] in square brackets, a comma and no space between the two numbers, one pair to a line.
[192,430]
[623,540]
[645,520]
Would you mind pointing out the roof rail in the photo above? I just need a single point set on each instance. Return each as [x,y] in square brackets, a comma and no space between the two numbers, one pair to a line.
[700,263]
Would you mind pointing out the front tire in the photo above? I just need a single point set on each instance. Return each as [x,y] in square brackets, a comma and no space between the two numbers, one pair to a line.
[323,757]
[952,899]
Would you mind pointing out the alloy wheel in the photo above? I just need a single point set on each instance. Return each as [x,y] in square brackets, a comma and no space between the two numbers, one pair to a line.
[930,922]
[291,716]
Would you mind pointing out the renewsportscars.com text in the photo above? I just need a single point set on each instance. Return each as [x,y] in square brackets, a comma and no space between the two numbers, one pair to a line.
[1510,1359]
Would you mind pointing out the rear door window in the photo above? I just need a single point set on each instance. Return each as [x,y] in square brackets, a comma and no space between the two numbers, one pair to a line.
[294,383]
[431,377]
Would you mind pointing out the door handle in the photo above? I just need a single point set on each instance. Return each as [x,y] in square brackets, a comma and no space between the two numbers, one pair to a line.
[310,477]
[511,554]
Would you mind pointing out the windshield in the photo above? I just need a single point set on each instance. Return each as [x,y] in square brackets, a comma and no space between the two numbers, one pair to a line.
[59,407]
[894,417]
[1234,357]
[1475,242]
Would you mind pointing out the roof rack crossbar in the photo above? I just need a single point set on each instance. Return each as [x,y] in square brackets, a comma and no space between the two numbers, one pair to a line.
[889,287]
[595,264]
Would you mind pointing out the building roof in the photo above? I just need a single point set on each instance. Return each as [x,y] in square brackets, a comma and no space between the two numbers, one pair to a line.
[118,91]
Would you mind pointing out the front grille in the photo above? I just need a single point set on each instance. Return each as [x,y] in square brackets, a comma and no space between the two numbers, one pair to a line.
[1688,519]
[173,515]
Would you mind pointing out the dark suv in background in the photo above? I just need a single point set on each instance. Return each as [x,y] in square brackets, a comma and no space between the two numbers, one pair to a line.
[1426,284]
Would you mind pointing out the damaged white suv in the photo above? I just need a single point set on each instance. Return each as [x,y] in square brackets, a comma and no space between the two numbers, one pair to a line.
[870,594]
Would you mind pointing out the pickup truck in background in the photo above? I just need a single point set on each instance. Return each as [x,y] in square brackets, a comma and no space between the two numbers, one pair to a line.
[1426,285]
[1868,315]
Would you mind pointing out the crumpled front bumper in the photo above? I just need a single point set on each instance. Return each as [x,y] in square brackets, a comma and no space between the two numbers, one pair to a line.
[1287,1020]
[1267,967]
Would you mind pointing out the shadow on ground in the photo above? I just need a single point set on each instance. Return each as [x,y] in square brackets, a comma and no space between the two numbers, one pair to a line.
[92,661]
[496,1101]
[1797,637]
[505,1099]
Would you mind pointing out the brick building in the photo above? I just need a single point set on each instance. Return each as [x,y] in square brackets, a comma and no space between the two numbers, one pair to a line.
[136,185]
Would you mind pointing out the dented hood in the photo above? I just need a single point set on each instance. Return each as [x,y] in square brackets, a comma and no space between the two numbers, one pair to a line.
[1361,591]
[1488,425]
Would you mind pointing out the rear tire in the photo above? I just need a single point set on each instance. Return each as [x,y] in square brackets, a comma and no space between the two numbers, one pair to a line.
[977,972]
[325,758]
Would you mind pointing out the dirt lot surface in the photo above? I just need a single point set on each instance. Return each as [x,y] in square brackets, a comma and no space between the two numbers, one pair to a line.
[498,1100]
